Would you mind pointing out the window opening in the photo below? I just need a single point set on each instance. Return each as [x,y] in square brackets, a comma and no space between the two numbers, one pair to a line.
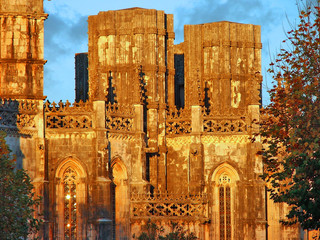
[70,204]
[179,80]
[225,207]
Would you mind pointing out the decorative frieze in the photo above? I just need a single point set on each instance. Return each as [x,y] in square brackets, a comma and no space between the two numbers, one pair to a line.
[67,116]
[119,117]
[178,121]
[225,126]
[169,206]
[117,109]
[120,124]
[208,139]
[17,117]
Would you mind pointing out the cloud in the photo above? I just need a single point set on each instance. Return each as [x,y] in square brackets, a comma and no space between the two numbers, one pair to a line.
[270,15]
[243,11]
[63,38]
[61,35]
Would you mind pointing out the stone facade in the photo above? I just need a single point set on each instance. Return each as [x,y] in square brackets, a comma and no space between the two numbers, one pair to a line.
[160,131]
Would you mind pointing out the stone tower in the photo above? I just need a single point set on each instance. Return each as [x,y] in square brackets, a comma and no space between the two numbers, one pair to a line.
[120,42]
[131,55]
[21,49]
[21,85]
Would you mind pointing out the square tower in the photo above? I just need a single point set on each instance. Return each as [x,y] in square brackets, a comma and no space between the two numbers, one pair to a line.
[21,49]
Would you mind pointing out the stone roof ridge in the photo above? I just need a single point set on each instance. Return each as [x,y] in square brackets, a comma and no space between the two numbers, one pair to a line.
[223,21]
[128,9]
[133,8]
[226,21]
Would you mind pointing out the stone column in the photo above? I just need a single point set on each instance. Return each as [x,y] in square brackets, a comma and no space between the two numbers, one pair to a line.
[138,163]
[102,186]
[196,164]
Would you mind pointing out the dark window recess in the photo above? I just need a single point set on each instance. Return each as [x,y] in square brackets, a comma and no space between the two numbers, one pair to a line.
[179,80]
[81,72]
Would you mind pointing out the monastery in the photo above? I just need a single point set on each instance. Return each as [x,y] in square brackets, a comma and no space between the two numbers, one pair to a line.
[157,131]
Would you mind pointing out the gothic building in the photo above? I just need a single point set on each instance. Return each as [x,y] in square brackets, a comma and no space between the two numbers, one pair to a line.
[158,131]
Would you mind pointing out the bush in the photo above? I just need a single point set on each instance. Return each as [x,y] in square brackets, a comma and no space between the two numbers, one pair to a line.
[153,232]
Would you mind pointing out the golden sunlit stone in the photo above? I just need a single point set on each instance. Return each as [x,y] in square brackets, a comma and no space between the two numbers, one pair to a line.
[159,131]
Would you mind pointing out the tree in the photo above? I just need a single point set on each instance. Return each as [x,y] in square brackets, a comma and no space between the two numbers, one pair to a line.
[290,125]
[17,202]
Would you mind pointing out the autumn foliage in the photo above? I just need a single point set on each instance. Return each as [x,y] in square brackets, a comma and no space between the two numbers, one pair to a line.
[290,126]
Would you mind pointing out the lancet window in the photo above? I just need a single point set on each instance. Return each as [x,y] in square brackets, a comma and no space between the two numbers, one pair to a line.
[70,204]
[225,207]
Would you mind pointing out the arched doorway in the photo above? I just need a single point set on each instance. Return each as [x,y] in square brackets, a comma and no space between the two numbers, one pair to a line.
[121,200]
[70,185]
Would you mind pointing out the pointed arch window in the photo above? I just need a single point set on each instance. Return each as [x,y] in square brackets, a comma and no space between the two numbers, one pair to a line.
[70,204]
[225,207]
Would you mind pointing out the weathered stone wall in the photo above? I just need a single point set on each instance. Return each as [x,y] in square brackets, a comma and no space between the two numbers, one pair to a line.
[21,49]
[225,56]
[122,41]
[276,212]
[21,6]
[222,82]
[82,151]
[128,154]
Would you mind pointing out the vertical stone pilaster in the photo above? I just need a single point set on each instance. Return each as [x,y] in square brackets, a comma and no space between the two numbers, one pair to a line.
[103,216]
[196,155]
[196,120]
[254,117]
[102,193]
[102,145]
[162,172]
[100,115]
[153,123]
[170,61]
[138,118]
[138,163]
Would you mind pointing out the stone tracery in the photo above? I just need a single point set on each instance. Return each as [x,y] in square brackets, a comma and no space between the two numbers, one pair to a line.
[70,204]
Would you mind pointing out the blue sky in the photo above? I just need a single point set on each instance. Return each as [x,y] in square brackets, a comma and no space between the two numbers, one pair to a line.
[66,30]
